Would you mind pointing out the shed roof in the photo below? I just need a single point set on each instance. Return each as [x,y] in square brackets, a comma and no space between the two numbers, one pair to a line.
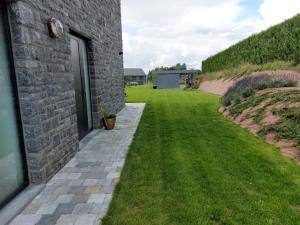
[176,72]
[134,72]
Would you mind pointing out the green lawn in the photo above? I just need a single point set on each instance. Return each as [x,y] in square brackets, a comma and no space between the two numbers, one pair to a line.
[188,165]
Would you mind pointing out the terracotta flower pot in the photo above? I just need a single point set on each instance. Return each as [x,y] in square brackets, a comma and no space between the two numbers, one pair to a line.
[109,123]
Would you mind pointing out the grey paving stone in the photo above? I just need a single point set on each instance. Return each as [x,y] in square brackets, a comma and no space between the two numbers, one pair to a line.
[64,208]
[32,208]
[67,219]
[76,183]
[89,208]
[81,192]
[96,198]
[90,182]
[47,209]
[65,198]
[62,190]
[76,190]
[89,219]
[48,220]
[113,175]
[107,189]
[81,198]
[83,208]
[26,220]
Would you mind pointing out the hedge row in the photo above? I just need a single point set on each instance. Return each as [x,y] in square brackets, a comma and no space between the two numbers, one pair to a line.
[280,42]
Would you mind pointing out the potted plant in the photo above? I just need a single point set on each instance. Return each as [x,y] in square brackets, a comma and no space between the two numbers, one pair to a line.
[109,120]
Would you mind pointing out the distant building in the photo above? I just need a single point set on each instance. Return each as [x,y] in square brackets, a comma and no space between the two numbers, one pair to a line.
[171,78]
[135,75]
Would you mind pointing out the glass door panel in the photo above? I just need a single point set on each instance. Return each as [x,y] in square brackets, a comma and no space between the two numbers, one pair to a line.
[81,85]
[12,172]
[87,84]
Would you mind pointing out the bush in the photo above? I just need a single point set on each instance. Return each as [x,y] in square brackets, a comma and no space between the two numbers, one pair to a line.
[247,92]
[287,130]
[235,98]
[274,83]
[247,86]
[280,42]
[226,102]
[132,83]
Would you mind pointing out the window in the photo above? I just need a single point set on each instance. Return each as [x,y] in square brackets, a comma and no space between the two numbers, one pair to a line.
[13,174]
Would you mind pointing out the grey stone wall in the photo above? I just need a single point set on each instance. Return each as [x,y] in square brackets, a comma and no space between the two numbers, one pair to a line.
[45,80]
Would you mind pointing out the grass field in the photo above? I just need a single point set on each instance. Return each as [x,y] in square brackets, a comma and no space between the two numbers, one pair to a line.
[188,165]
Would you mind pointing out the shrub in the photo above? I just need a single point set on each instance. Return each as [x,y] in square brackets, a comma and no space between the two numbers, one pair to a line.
[226,102]
[247,86]
[287,130]
[132,83]
[274,83]
[236,99]
[292,113]
[247,92]
[280,42]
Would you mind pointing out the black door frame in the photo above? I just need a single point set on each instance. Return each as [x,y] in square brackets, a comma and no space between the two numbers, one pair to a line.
[80,38]
[7,30]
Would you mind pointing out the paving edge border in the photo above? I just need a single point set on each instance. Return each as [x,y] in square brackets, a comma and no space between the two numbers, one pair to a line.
[19,203]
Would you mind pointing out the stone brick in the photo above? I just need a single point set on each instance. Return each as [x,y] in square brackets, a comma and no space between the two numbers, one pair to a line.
[22,35]
[22,13]
[56,140]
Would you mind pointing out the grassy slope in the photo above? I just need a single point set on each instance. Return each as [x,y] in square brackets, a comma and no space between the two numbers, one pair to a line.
[288,127]
[248,69]
[188,165]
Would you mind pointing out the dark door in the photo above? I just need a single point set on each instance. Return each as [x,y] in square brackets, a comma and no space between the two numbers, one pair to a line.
[167,80]
[81,85]
[13,171]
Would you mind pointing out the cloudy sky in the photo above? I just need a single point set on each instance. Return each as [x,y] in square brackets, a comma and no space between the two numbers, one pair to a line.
[164,32]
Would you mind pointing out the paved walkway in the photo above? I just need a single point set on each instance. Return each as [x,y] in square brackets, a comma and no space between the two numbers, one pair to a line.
[81,192]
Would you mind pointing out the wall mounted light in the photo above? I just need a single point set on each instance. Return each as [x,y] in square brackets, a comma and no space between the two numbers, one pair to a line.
[55,27]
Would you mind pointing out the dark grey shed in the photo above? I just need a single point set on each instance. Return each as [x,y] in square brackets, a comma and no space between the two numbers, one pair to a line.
[136,75]
[170,78]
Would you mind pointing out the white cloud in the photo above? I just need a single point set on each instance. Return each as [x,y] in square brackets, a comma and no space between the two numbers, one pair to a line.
[276,11]
[163,33]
